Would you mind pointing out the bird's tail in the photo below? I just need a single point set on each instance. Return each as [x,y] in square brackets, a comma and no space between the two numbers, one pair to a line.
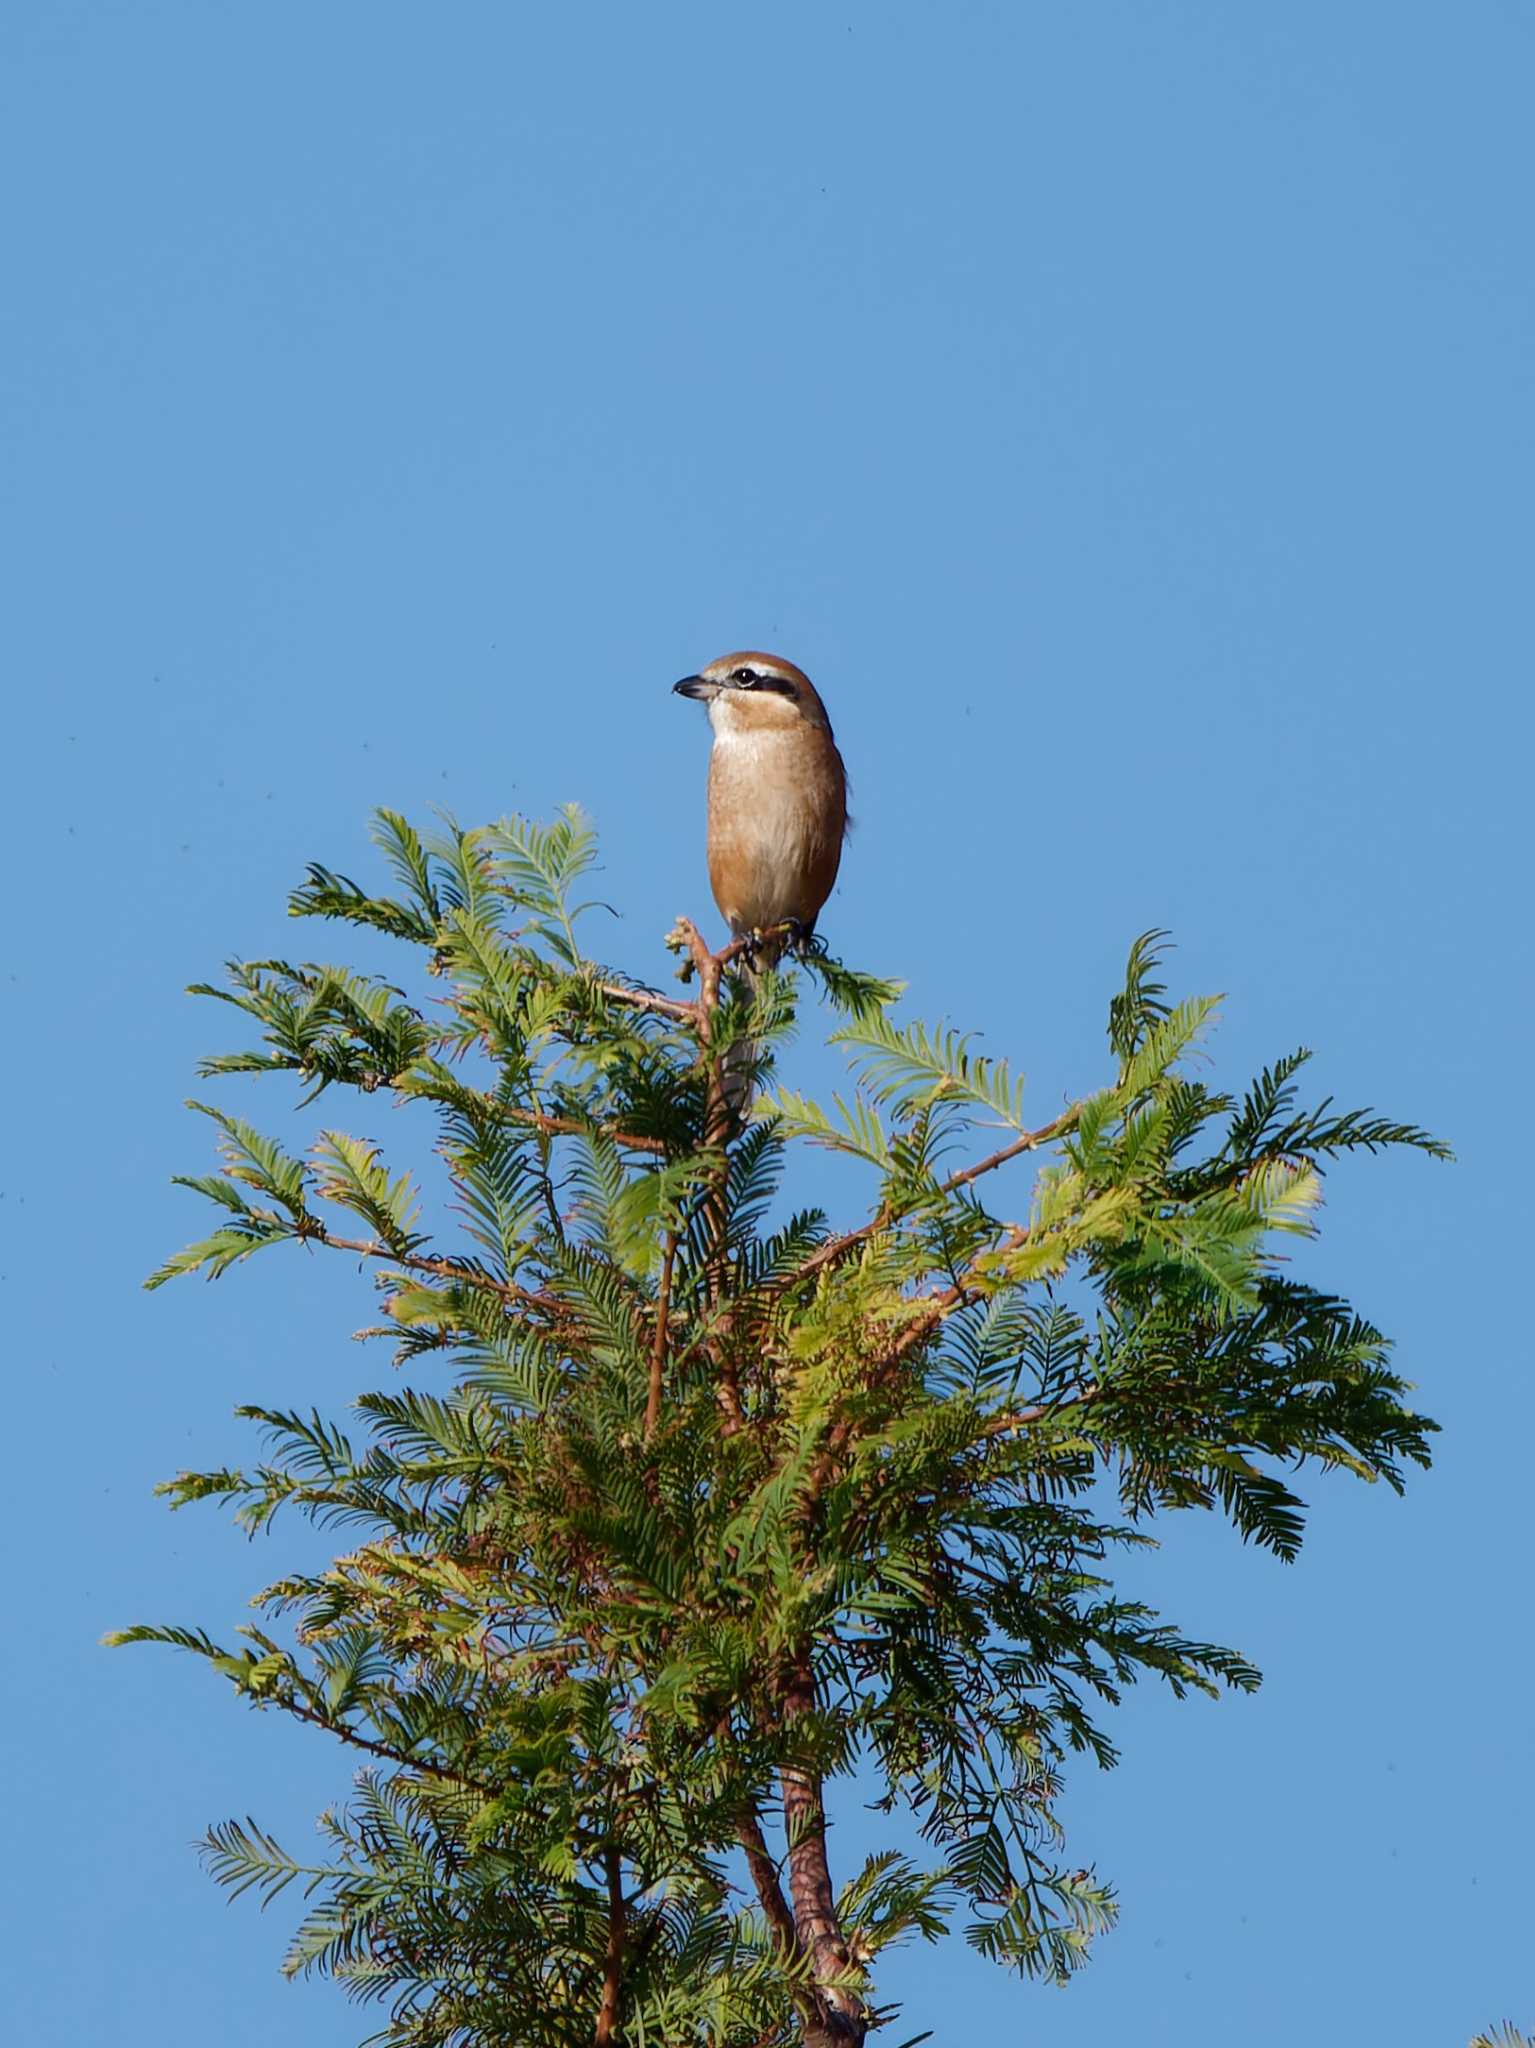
[738,1064]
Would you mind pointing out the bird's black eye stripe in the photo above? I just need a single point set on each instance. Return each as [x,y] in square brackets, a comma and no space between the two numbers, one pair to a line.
[753,679]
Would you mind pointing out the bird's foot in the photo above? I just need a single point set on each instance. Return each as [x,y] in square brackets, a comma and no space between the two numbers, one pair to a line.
[763,946]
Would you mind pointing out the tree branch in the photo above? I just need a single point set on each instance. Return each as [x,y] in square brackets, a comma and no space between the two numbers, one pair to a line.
[764,1875]
[837,1248]
[349,1735]
[438,1269]
[685,937]
[932,1308]
[647,999]
[775,1907]
[1025,1418]
[1027,1141]
[568,1126]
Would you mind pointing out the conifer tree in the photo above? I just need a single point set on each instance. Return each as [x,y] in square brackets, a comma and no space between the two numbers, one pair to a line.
[694,1503]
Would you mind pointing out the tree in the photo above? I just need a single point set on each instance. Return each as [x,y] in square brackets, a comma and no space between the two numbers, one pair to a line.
[704,1504]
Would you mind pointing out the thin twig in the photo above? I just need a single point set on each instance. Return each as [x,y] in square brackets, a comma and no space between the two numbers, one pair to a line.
[1027,1141]
[837,1248]
[439,1269]
[707,965]
[764,1875]
[1041,1411]
[932,1308]
[571,1127]
[350,1736]
[647,999]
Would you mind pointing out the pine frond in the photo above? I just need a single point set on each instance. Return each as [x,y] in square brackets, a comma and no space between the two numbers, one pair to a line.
[910,1067]
[1139,1007]
[242,1857]
[325,894]
[859,1132]
[349,1172]
[214,1255]
[401,846]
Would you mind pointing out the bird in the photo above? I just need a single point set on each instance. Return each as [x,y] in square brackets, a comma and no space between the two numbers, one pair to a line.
[777,803]
[777,796]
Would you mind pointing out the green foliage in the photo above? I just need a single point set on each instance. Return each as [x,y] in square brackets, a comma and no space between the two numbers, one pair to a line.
[699,1511]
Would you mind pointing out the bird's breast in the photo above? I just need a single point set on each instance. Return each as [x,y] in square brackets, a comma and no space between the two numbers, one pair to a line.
[777,811]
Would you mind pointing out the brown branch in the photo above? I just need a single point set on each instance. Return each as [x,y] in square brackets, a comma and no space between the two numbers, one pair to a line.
[658,1345]
[536,1119]
[775,1908]
[754,942]
[837,1248]
[709,965]
[932,1308]
[764,1875]
[647,999]
[315,1232]
[685,936]
[1026,1141]
[1041,1411]
[568,1126]
[613,1966]
[350,1736]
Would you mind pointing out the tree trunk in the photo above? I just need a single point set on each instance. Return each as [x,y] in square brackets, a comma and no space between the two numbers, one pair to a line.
[835,2031]
[841,2020]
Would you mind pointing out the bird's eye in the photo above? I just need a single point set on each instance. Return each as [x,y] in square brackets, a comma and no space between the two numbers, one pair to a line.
[745,678]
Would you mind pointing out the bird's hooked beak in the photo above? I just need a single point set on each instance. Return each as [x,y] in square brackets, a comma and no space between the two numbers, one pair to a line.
[697,686]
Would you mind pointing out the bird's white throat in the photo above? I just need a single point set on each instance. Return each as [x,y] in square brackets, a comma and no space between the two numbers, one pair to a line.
[739,716]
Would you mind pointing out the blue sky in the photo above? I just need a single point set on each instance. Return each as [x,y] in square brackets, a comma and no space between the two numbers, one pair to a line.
[1125,414]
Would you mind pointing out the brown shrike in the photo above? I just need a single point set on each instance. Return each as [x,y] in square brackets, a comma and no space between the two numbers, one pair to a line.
[777,795]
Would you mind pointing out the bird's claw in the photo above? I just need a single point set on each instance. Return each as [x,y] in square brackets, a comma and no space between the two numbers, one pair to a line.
[788,935]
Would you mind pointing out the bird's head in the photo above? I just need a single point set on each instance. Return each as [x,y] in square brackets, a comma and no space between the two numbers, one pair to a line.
[750,692]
